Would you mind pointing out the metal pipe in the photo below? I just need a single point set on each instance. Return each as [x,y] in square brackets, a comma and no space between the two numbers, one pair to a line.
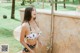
[52,28]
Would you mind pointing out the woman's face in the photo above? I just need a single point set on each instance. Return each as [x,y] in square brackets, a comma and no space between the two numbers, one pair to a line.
[33,13]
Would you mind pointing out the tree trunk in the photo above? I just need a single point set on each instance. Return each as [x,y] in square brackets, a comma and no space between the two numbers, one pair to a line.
[79,1]
[73,1]
[37,1]
[13,10]
[49,1]
[43,4]
[55,4]
[64,4]
[30,2]
[23,2]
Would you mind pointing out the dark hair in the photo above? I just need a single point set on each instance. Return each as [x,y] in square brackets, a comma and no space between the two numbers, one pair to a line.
[27,14]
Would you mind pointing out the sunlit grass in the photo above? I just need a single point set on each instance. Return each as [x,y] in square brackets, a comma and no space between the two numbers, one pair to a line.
[6,34]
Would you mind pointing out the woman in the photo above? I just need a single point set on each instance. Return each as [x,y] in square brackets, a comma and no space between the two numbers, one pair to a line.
[30,31]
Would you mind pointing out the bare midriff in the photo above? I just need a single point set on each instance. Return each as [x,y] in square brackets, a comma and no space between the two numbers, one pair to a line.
[31,41]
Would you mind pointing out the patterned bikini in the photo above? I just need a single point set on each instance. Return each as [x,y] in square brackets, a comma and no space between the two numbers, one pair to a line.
[31,36]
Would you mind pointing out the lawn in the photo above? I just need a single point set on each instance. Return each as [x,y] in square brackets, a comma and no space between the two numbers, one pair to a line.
[8,25]
[6,34]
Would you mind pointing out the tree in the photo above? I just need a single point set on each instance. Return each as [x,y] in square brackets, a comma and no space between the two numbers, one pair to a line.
[23,2]
[37,1]
[50,2]
[79,1]
[43,4]
[30,2]
[73,1]
[64,3]
[55,4]
[13,10]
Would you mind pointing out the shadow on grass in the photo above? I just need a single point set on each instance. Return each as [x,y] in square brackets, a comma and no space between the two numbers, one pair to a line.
[5,32]
[17,20]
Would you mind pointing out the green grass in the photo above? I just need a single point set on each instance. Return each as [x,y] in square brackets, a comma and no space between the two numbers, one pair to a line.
[8,25]
[6,34]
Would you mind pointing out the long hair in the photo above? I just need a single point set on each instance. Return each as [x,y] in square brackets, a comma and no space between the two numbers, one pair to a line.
[28,14]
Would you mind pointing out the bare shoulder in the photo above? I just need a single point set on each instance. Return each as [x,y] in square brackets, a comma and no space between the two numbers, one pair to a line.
[25,25]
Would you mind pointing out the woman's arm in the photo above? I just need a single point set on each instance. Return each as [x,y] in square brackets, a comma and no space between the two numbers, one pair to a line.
[23,32]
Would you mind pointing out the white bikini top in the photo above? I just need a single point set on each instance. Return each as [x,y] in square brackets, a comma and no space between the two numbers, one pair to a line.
[33,35]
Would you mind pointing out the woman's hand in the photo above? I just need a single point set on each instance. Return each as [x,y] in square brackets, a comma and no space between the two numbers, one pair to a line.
[31,51]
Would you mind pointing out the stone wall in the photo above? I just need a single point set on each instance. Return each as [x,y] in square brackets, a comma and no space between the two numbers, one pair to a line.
[66,35]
